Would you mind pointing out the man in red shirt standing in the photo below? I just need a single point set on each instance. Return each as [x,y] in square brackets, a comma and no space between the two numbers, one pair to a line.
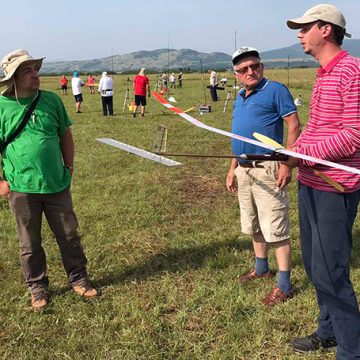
[63,83]
[326,216]
[141,87]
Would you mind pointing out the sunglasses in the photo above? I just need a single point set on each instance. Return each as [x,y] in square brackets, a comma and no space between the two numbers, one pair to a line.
[245,69]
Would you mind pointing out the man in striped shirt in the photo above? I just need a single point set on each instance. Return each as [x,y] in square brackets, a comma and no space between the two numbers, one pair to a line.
[327,215]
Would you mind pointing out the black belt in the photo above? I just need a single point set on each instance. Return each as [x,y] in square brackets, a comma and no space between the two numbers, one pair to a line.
[253,164]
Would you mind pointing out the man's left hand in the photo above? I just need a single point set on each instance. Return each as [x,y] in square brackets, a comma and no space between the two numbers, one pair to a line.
[5,189]
[292,162]
[283,176]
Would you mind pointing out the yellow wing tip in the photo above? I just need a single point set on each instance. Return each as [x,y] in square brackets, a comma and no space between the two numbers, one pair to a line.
[266,140]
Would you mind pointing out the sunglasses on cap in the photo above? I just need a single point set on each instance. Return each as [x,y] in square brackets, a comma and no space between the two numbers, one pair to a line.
[245,69]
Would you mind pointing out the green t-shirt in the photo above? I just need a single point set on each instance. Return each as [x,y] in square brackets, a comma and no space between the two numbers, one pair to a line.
[33,162]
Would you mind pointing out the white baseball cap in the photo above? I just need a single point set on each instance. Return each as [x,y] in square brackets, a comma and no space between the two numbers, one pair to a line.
[244,52]
[323,12]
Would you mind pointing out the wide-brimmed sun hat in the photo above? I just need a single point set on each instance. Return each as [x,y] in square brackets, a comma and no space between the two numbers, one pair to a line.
[324,12]
[10,63]
[244,51]
[13,60]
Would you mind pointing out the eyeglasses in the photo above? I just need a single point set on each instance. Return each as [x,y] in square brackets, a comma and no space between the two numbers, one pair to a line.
[245,69]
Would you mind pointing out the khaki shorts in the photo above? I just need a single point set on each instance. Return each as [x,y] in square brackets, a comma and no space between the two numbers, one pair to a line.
[263,207]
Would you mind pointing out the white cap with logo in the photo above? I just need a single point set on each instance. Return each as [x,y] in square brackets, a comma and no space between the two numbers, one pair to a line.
[244,51]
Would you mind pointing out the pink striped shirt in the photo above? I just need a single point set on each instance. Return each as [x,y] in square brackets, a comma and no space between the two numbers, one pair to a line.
[333,130]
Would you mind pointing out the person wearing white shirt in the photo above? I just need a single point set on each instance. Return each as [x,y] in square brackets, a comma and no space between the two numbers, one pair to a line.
[172,81]
[213,84]
[106,90]
[76,84]
[223,81]
[298,101]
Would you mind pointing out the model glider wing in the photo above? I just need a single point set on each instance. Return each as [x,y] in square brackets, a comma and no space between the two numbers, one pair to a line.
[198,123]
[266,140]
[140,152]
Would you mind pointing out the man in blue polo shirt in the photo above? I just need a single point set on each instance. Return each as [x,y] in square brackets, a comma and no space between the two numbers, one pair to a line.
[262,106]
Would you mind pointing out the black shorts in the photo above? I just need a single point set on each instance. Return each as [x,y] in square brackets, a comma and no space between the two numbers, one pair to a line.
[78,98]
[64,87]
[140,100]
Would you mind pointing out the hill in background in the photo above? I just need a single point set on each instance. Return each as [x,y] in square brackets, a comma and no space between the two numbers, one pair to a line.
[294,54]
[186,60]
[156,60]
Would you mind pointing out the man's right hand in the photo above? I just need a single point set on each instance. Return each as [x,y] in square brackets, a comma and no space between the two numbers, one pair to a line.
[230,182]
[4,189]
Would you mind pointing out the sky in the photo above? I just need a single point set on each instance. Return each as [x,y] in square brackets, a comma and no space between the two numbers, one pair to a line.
[89,29]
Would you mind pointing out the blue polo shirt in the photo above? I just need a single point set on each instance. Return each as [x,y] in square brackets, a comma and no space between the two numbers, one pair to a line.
[262,112]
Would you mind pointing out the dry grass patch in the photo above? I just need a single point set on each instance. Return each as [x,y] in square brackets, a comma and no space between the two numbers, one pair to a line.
[199,190]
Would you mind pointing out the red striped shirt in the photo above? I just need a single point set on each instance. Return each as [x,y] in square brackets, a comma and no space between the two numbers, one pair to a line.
[333,130]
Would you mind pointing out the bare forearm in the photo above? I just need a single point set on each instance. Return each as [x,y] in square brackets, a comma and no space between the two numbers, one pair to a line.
[294,129]
[233,164]
[292,137]
[230,179]
[67,148]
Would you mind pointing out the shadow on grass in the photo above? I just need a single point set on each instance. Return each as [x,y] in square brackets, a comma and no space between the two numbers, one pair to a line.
[180,260]
[216,255]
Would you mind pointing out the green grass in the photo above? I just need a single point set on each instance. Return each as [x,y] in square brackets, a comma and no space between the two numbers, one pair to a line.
[163,244]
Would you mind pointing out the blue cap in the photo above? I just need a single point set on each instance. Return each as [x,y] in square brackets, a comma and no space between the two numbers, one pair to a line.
[75,74]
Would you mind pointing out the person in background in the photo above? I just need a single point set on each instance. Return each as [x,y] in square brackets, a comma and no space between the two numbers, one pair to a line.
[76,84]
[141,87]
[90,84]
[263,106]
[298,101]
[213,84]
[180,79]
[64,84]
[223,81]
[164,79]
[327,215]
[172,80]
[38,167]
[106,90]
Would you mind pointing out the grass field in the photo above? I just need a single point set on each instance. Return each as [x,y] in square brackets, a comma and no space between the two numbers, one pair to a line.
[163,244]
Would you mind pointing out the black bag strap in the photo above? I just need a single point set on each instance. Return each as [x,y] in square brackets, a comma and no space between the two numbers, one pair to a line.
[23,123]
